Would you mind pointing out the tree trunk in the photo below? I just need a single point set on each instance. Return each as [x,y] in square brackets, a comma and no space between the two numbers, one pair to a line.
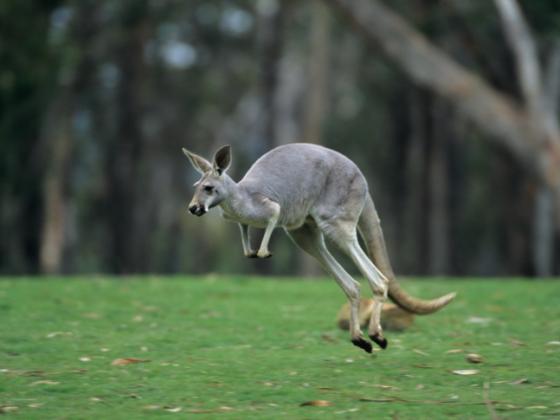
[318,63]
[419,163]
[58,140]
[543,232]
[316,97]
[272,16]
[438,180]
[400,187]
[57,137]
[128,246]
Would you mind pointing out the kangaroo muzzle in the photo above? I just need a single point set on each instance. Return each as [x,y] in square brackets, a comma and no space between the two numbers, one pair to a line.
[197,209]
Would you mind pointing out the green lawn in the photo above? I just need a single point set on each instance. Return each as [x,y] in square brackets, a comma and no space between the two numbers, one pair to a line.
[258,348]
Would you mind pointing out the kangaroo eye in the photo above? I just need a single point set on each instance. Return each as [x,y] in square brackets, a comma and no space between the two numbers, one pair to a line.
[208,188]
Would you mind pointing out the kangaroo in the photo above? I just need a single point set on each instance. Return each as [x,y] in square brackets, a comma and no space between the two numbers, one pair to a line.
[312,192]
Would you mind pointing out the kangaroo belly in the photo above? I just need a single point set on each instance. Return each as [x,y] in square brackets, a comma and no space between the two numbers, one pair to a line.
[306,180]
[293,218]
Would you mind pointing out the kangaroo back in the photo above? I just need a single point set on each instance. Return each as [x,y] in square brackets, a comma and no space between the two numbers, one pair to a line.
[370,228]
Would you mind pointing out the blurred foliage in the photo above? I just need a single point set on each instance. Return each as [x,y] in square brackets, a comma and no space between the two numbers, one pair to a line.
[134,81]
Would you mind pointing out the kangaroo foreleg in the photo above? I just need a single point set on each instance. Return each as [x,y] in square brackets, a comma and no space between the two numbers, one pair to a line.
[274,209]
[246,241]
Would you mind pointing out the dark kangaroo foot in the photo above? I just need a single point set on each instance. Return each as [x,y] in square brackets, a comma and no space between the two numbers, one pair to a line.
[252,254]
[379,340]
[363,344]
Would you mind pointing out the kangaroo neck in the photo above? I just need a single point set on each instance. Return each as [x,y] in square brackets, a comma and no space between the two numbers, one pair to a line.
[235,204]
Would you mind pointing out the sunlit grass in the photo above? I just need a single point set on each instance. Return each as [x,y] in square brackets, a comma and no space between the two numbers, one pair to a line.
[258,348]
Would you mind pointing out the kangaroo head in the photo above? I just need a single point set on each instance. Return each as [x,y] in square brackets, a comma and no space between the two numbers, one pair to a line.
[211,188]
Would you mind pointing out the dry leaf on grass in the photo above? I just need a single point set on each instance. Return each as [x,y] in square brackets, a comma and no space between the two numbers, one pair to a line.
[44,383]
[517,343]
[423,366]
[38,373]
[316,403]
[350,410]
[454,351]
[520,381]
[221,409]
[474,358]
[57,333]
[478,320]
[381,386]
[173,409]
[127,361]
[8,409]
[465,372]
[382,400]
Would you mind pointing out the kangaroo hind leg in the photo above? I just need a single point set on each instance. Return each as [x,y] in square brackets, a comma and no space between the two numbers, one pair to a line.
[344,235]
[310,239]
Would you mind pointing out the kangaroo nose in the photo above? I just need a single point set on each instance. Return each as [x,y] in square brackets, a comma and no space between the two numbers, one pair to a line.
[197,210]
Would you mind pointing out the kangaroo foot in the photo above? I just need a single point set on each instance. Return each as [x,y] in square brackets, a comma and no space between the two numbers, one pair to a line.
[379,340]
[263,254]
[363,344]
[251,254]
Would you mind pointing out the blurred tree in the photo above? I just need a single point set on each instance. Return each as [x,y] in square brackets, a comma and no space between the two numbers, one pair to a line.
[528,130]
[97,100]
[76,67]
[315,97]
[129,215]
[27,78]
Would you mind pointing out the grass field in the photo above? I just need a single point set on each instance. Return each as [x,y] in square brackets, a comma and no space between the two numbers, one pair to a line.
[259,348]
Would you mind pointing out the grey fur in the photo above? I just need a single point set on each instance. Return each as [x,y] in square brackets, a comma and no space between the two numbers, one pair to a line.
[311,192]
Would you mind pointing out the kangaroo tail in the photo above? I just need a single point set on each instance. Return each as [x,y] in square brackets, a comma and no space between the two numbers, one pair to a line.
[370,228]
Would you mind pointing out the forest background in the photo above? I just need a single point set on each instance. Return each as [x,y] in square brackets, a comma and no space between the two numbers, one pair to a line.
[449,107]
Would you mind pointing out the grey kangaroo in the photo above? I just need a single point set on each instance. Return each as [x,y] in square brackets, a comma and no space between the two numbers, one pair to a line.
[311,192]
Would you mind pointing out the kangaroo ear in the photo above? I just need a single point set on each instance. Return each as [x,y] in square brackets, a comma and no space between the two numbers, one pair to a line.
[198,162]
[222,159]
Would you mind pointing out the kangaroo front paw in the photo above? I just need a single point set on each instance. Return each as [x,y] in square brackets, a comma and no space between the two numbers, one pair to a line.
[264,254]
[379,340]
[363,344]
